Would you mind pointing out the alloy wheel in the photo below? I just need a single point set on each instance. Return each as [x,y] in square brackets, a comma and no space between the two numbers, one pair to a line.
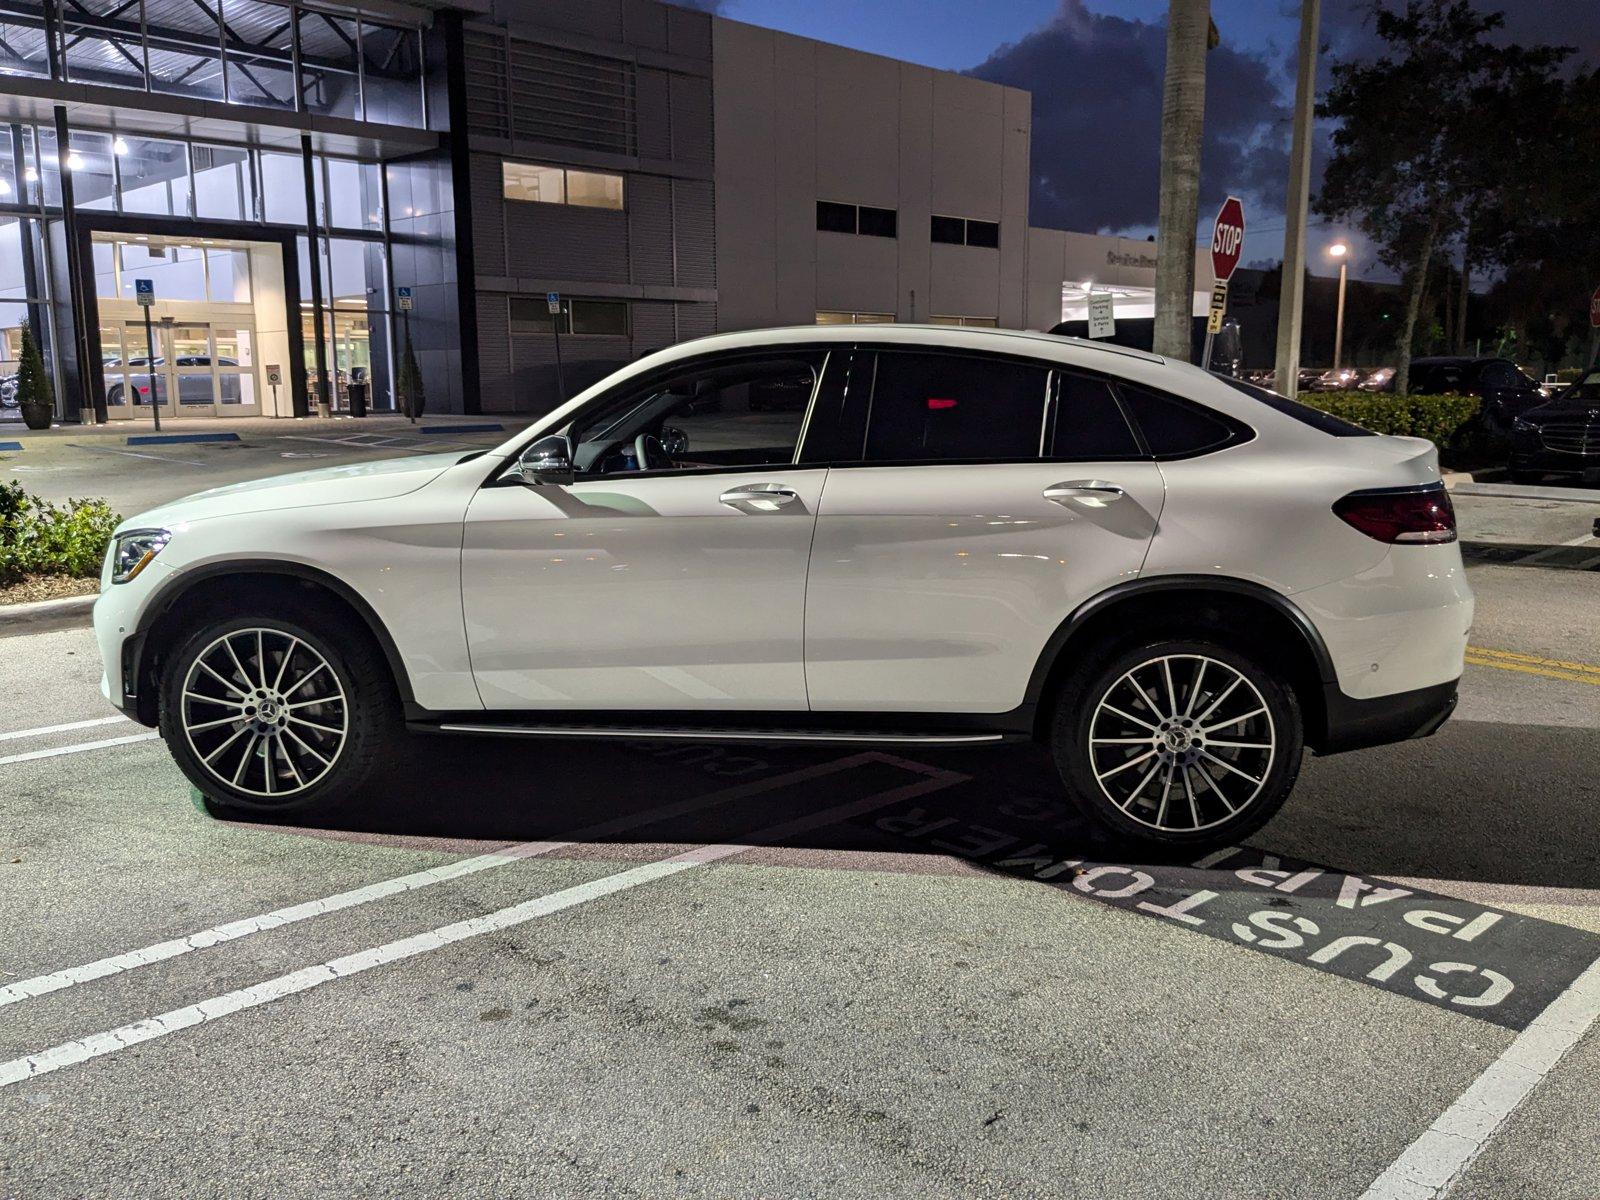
[1181,743]
[264,712]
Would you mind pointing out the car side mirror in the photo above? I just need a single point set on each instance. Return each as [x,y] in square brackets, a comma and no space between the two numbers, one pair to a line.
[547,461]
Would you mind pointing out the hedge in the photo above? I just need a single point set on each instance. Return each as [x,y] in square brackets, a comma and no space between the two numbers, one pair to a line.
[1445,420]
[41,538]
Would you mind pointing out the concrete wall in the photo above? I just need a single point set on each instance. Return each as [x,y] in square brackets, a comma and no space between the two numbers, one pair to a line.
[799,121]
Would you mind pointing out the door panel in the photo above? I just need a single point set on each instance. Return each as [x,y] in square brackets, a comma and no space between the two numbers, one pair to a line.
[935,588]
[640,592]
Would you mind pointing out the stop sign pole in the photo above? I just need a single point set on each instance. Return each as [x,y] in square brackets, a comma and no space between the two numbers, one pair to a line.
[1227,243]
[1594,327]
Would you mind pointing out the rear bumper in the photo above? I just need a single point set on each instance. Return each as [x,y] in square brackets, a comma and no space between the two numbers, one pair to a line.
[1353,724]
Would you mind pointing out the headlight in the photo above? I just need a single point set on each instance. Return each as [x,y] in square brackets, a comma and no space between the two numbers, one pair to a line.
[132,551]
[1522,426]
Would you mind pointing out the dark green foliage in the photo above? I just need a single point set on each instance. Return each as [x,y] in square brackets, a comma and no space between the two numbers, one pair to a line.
[40,538]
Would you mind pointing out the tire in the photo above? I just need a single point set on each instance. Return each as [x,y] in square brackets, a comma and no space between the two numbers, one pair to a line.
[1118,715]
[324,710]
[114,395]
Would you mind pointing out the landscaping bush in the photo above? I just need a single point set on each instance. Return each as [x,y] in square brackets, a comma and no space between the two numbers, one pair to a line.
[41,538]
[1448,421]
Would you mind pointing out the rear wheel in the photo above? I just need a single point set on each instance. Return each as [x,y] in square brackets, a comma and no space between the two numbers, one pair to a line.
[1178,743]
[273,713]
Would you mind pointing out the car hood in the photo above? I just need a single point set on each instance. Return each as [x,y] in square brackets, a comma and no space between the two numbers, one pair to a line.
[381,480]
[1564,408]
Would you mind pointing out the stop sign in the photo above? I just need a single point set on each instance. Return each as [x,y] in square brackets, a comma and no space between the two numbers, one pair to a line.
[1227,238]
[1594,309]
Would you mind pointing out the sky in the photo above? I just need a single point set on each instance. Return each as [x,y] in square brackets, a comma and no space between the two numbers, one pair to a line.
[1095,70]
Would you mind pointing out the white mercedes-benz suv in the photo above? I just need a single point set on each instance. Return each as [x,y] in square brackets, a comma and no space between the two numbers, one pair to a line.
[899,535]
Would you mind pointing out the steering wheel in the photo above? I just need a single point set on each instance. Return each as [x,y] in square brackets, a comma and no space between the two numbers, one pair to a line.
[647,449]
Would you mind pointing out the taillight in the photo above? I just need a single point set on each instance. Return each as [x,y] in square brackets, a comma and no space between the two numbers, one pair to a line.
[1401,515]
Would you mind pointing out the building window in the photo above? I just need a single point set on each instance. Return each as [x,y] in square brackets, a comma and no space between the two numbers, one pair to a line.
[583,318]
[835,317]
[833,217]
[970,322]
[539,184]
[961,231]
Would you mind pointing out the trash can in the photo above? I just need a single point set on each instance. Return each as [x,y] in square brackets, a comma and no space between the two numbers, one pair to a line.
[357,395]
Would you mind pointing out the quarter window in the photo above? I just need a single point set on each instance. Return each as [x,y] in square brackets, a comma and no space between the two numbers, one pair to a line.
[1172,428]
[954,408]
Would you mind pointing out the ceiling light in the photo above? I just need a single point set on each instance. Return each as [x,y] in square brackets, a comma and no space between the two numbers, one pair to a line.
[31,175]
[119,147]
[74,161]
[5,188]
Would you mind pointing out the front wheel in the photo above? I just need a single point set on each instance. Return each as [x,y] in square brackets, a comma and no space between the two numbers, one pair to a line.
[268,713]
[1179,743]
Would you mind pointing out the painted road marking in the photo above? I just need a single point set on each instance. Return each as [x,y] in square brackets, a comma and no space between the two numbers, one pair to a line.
[1539,556]
[110,1041]
[44,729]
[116,964]
[1433,1163]
[1530,664]
[79,748]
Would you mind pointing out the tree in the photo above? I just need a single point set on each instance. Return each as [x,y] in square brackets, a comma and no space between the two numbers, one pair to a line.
[1414,152]
[36,395]
[1183,111]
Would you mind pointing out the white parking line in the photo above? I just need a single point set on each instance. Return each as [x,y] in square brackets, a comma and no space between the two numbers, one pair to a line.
[116,964]
[108,1042]
[44,729]
[1433,1163]
[77,748]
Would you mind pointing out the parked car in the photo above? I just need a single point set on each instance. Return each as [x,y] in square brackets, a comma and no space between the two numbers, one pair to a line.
[8,390]
[1560,436]
[1337,379]
[1502,386]
[1380,379]
[955,543]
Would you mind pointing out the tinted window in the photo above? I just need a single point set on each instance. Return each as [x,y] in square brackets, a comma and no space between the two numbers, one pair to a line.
[599,316]
[949,407]
[1173,428]
[1306,415]
[950,230]
[836,218]
[1500,375]
[983,233]
[1088,424]
[877,222]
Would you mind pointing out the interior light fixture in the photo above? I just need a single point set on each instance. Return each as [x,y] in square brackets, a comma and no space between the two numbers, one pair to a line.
[74,161]
[5,187]
[119,147]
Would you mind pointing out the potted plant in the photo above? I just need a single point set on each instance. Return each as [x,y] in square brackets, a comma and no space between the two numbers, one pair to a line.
[35,396]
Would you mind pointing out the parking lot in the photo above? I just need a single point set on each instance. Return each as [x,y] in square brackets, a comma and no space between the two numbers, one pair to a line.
[673,970]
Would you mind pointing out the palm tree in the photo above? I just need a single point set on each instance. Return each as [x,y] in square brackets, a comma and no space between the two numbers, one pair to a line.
[1183,110]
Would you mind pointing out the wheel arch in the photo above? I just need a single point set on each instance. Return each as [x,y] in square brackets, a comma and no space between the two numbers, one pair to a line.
[1194,604]
[241,580]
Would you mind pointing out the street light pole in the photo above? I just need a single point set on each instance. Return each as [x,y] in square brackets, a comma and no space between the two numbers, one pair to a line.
[1342,252]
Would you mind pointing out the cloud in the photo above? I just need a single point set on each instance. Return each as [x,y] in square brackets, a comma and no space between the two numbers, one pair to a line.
[1096,82]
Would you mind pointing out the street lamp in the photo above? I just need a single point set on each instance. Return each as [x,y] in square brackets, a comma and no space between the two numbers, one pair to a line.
[1341,252]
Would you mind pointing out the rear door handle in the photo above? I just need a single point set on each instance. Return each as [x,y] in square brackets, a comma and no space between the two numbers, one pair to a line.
[1082,489]
[767,497]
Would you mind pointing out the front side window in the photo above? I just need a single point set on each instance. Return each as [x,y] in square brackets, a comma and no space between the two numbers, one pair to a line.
[737,413]
[954,408]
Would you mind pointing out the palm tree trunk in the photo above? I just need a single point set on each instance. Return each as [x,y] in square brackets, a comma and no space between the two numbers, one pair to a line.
[1419,284]
[1466,277]
[1183,109]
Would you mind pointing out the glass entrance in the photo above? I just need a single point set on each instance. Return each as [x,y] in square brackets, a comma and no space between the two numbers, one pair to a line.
[200,369]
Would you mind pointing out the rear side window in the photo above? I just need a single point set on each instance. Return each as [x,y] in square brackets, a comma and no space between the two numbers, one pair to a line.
[1303,413]
[1175,429]
[952,408]
[1087,423]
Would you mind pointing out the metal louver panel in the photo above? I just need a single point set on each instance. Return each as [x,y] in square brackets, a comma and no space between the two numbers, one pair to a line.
[533,92]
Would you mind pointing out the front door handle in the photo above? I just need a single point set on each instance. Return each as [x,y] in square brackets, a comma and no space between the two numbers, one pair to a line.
[1083,489]
[767,497]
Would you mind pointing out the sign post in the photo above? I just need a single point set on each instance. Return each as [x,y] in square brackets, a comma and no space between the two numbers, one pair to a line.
[1594,327]
[1102,320]
[1227,243]
[552,301]
[144,291]
[274,381]
[402,297]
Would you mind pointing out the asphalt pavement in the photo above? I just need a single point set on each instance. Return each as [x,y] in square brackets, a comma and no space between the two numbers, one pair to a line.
[567,970]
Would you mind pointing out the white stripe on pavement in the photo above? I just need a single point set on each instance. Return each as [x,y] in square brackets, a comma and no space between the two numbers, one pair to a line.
[1433,1163]
[79,748]
[108,1042]
[44,729]
[116,964]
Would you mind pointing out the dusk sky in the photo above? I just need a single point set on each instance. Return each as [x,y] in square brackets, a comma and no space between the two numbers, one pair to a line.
[1095,70]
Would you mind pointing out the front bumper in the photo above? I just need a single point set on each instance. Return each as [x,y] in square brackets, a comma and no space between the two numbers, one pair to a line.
[118,617]
[1557,462]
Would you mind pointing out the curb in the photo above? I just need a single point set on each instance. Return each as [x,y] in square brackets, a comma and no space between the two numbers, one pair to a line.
[65,610]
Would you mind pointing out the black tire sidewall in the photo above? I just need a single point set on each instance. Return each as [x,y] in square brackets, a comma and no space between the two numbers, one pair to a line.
[373,722]
[1075,712]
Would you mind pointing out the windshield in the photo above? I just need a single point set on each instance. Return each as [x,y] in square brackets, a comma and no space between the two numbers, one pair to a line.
[1584,390]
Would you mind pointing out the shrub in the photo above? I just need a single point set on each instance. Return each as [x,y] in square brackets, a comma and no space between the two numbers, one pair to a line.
[1446,420]
[41,538]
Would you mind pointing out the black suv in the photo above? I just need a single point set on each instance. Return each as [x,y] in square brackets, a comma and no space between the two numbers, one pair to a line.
[1503,388]
[1561,436]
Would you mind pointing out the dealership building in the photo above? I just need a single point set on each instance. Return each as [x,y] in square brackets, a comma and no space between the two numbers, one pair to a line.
[322,193]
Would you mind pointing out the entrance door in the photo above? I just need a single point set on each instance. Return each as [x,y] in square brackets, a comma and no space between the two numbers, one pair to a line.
[201,370]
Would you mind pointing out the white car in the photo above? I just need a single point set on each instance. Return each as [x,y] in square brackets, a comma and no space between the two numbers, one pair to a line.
[900,535]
